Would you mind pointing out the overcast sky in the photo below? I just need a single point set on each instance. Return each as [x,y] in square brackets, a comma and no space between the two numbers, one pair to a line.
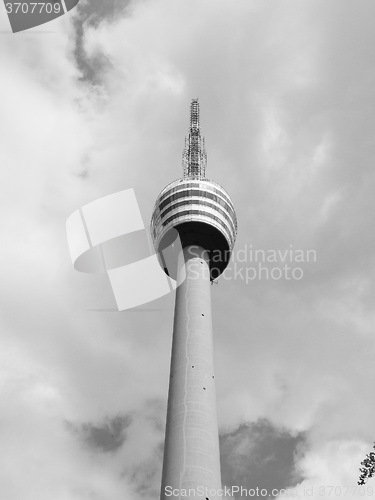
[99,102]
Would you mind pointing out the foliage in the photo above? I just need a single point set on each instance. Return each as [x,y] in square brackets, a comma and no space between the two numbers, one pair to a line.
[368,469]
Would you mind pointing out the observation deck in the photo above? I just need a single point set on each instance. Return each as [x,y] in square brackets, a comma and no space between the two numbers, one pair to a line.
[198,208]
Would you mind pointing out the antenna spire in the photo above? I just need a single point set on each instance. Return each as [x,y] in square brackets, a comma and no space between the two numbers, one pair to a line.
[194,157]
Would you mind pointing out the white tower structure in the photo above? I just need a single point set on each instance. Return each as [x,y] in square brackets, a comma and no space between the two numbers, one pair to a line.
[204,216]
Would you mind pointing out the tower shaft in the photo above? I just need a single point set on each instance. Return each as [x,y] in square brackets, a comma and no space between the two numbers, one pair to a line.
[197,214]
[191,452]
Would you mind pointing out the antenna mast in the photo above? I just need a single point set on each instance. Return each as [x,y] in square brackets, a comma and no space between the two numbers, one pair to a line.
[194,157]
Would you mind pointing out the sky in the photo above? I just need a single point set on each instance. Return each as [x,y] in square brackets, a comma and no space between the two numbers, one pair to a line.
[98,101]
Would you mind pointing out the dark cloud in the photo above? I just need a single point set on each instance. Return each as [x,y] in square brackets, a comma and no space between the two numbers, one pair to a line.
[260,455]
[92,14]
[107,437]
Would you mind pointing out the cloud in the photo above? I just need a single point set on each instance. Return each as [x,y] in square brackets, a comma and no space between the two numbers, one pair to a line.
[93,13]
[101,104]
[108,437]
[259,456]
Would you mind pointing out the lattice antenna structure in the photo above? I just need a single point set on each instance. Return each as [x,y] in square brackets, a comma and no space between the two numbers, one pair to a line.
[194,157]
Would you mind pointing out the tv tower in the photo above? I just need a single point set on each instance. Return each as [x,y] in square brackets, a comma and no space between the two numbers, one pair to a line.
[204,216]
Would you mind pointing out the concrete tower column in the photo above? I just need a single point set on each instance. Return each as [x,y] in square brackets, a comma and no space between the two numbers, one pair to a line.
[203,216]
[191,452]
